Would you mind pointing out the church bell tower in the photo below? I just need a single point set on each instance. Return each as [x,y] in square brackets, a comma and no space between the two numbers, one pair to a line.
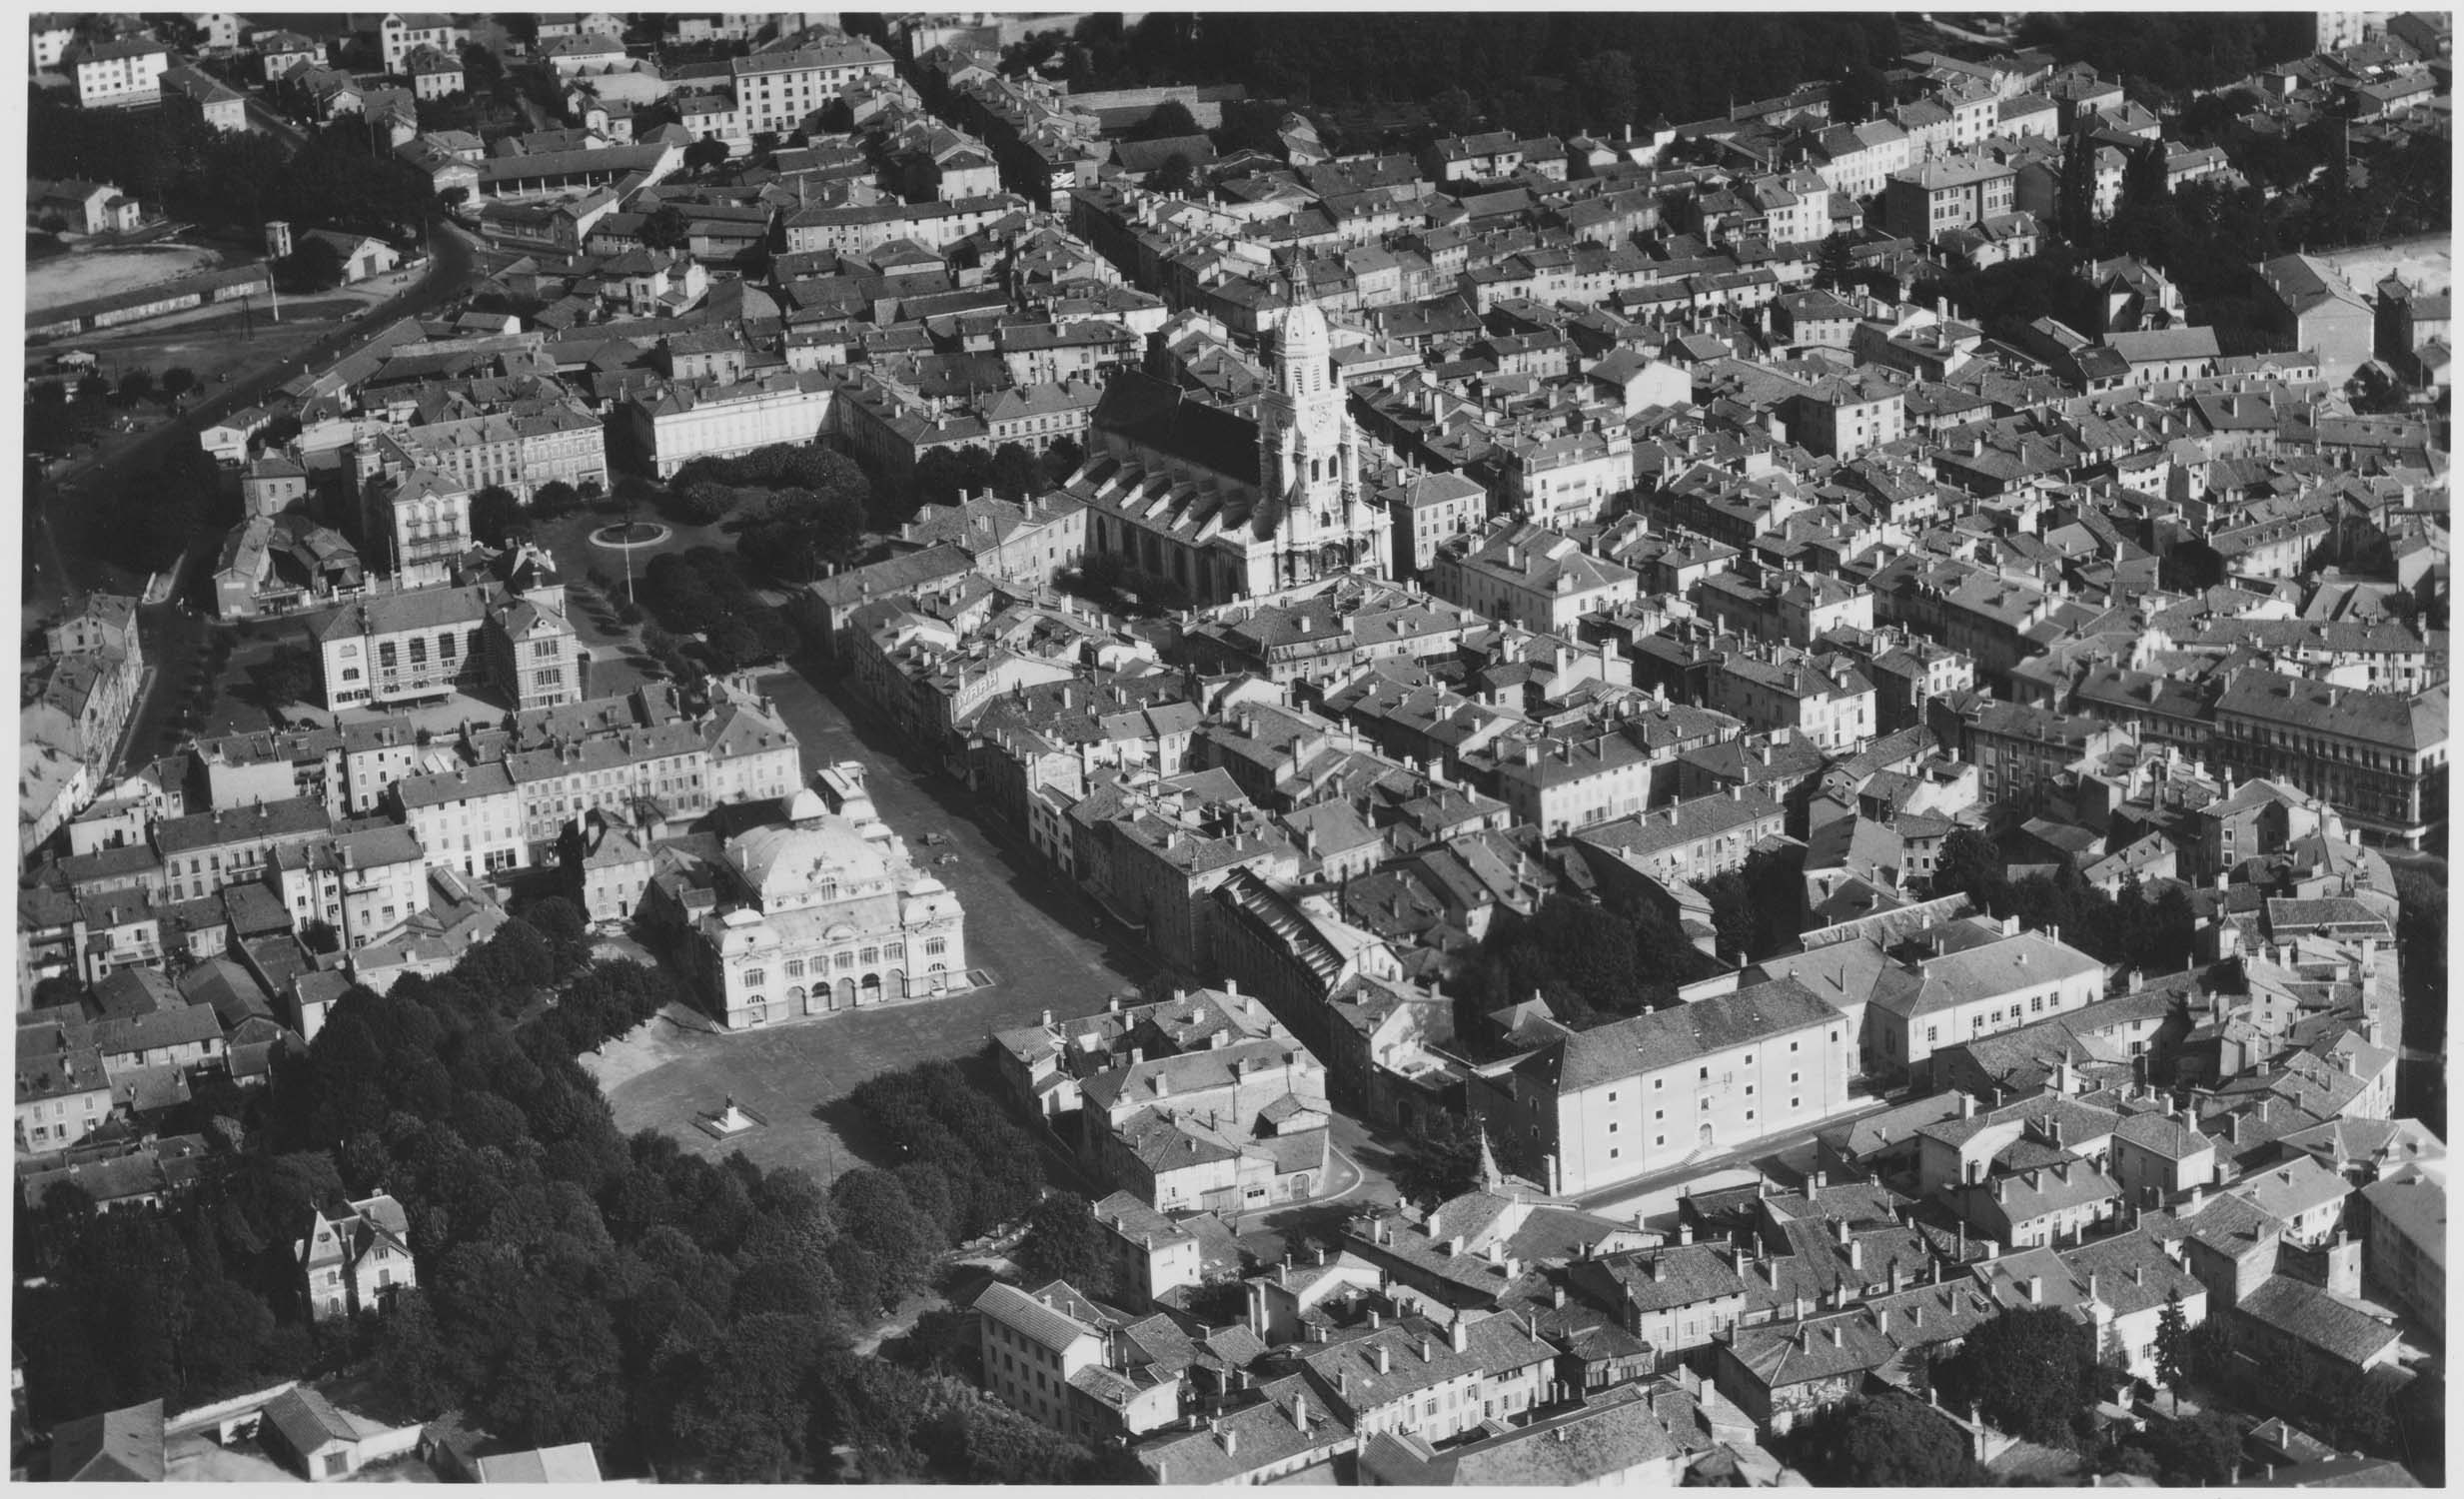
[1309,456]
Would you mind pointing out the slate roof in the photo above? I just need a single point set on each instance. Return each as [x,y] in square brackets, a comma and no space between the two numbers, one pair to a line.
[1613,1435]
[2318,1319]
[1031,1317]
[1262,1435]
[115,1446]
[1668,1038]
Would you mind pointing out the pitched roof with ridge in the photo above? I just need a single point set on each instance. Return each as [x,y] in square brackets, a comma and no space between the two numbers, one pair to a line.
[1670,1037]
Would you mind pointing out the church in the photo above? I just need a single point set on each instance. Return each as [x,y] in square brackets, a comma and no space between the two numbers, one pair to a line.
[1229,506]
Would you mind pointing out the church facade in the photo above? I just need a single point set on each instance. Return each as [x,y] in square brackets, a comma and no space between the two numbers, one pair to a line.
[1228,505]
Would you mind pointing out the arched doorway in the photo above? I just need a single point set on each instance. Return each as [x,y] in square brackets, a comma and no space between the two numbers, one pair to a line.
[757,1011]
[847,994]
[1300,1186]
[1703,1136]
[939,977]
[800,1002]
[871,994]
[899,983]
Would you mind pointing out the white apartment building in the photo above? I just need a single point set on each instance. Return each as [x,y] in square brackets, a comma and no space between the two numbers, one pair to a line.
[128,71]
[710,420]
[468,818]
[777,91]
[364,885]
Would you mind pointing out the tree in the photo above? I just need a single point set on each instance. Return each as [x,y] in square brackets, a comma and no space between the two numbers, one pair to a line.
[1832,267]
[942,474]
[1863,93]
[1064,1242]
[136,385]
[1606,81]
[2200,1449]
[567,934]
[703,501]
[1061,458]
[1889,1441]
[1177,175]
[1170,121]
[1015,474]
[555,498]
[704,154]
[2172,1350]
[1969,865]
[178,381]
[510,966]
[1453,110]
[897,1242]
[314,266]
[667,228]
[1755,907]
[2421,949]
[495,514]
[1585,959]
[1440,1162]
[2027,1372]
[734,643]
[291,674]
[797,532]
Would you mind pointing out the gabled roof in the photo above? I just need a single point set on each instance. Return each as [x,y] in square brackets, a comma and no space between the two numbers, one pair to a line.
[2318,1319]
[1670,1037]
[116,1446]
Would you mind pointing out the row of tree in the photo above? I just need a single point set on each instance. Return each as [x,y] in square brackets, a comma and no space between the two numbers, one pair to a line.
[700,592]
[228,181]
[687,1314]
[1592,962]
[145,523]
[2152,935]
[1529,71]
[1009,470]
[2205,236]
[204,1298]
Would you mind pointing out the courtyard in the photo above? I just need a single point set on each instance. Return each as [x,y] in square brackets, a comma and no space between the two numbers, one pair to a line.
[1036,941]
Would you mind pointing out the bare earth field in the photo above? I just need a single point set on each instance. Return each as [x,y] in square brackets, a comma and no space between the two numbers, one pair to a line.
[2427,262]
[63,279]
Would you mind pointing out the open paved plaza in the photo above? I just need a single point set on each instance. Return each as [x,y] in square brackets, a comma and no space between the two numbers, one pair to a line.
[1032,936]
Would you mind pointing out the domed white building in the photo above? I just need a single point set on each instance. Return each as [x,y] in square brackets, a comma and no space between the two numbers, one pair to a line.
[824,913]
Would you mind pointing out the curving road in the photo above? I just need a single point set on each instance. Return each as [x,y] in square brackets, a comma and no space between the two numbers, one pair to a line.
[174,636]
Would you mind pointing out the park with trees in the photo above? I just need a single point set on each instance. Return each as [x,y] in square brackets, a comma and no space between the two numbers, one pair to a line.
[692,1319]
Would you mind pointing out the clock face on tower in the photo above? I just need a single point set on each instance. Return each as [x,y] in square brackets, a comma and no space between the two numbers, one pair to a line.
[1320,421]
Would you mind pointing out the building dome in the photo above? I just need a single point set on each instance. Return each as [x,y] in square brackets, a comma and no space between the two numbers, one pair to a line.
[1304,336]
[806,805]
[785,866]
